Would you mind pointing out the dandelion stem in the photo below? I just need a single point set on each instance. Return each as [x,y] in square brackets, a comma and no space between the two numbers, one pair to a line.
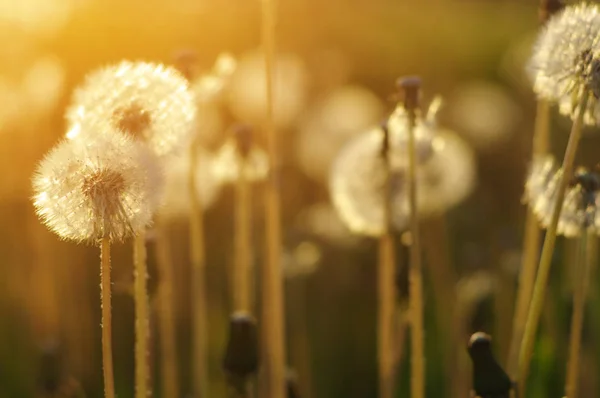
[142,337]
[415,270]
[198,260]
[386,285]
[272,300]
[541,138]
[443,281]
[583,272]
[539,291]
[105,291]
[242,289]
[166,319]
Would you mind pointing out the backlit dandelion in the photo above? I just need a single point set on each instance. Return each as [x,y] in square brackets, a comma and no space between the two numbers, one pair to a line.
[357,176]
[581,199]
[149,101]
[565,63]
[226,163]
[248,97]
[211,86]
[177,175]
[448,177]
[104,187]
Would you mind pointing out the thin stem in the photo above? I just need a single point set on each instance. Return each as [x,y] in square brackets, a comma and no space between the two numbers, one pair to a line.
[541,282]
[198,260]
[272,300]
[583,272]
[142,335]
[166,317]
[386,284]
[541,138]
[443,281]
[105,289]
[242,288]
[387,316]
[300,348]
[415,274]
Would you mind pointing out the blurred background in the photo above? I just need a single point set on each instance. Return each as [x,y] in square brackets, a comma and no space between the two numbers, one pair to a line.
[337,66]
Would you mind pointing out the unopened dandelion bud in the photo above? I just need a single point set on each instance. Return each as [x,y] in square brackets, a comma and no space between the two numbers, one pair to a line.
[548,8]
[186,61]
[241,355]
[291,384]
[489,379]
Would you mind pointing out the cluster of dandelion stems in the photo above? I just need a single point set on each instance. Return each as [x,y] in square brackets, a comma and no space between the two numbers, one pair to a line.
[272,289]
[540,145]
[543,272]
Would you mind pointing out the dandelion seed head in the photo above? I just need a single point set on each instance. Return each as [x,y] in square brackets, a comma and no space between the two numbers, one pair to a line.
[150,101]
[211,86]
[228,163]
[177,189]
[108,186]
[341,115]
[247,97]
[565,63]
[302,260]
[448,177]
[357,185]
[578,211]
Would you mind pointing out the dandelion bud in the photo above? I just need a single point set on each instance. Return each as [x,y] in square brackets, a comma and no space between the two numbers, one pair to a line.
[489,379]
[411,91]
[240,151]
[148,101]
[241,354]
[106,186]
[291,384]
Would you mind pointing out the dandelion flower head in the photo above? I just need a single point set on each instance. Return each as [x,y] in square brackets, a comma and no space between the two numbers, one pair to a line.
[302,260]
[247,97]
[357,184]
[565,63]
[108,186]
[149,101]
[339,116]
[448,177]
[578,211]
[228,163]
[211,86]
[177,189]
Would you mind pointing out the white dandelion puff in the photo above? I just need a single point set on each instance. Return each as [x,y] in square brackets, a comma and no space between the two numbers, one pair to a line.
[565,63]
[446,175]
[357,185]
[211,86]
[247,93]
[105,187]
[581,201]
[229,161]
[177,197]
[149,101]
